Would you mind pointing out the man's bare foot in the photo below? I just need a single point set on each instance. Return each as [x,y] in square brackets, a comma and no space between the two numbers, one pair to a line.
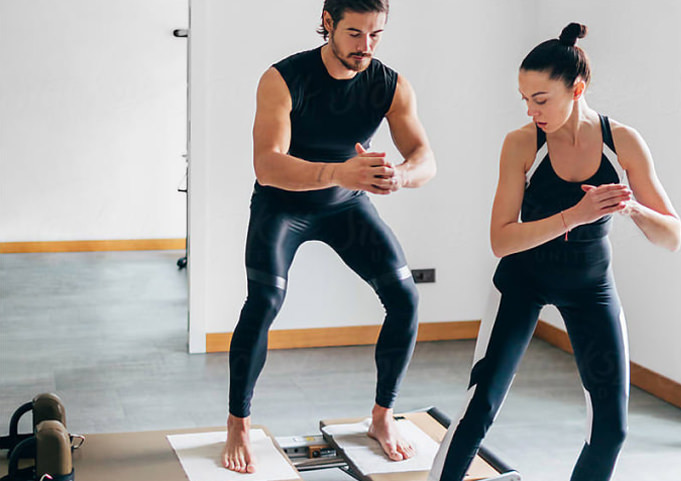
[384,430]
[236,455]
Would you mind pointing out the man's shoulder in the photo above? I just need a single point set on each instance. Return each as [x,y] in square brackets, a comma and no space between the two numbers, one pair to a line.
[297,58]
[379,66]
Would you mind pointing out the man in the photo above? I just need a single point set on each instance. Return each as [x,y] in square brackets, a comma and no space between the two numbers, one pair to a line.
[316,114]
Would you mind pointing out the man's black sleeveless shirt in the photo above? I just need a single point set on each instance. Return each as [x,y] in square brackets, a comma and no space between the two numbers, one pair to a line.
[329,116]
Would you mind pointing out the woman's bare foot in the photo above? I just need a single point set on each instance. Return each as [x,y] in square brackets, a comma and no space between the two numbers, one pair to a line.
[384,430]
[236,455]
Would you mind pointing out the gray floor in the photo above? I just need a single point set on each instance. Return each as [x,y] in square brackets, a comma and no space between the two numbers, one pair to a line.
[107,332]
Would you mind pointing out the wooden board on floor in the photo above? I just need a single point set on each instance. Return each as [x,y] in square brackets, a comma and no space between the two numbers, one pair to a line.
[139,456]
[479,469]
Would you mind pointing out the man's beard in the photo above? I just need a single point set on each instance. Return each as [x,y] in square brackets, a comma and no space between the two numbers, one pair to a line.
[356,65]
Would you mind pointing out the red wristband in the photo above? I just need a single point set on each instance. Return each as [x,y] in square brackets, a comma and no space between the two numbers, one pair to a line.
[567,229]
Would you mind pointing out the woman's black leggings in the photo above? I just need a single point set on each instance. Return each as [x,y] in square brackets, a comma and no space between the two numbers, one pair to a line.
[575,277]
[364,242]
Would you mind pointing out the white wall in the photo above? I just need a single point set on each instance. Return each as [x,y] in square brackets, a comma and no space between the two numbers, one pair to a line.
[92,119]
[635,50]
[466,110]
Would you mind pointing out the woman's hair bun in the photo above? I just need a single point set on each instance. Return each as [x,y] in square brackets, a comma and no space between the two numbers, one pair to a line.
[571,33]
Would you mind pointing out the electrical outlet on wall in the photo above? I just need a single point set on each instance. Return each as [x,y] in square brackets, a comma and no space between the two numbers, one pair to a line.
[423,275]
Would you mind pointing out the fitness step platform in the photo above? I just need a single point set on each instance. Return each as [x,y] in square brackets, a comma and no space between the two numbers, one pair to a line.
[150,456]
[432,422]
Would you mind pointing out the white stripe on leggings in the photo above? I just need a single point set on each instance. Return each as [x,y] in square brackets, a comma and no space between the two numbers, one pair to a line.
[589,416]
[481,345]
[625,341]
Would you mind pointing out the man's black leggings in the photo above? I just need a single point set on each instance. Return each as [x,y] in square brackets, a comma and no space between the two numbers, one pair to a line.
[575,277]
[364,242]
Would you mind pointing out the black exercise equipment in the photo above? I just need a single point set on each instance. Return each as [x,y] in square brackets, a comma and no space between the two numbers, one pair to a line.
[46,406]
[50,447]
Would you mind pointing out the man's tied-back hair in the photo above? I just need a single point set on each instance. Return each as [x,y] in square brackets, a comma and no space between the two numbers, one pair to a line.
[337,9]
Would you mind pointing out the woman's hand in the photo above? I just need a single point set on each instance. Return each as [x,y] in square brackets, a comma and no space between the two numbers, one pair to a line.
[598,202]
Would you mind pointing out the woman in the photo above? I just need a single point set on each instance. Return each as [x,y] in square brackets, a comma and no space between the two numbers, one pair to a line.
[564,174]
